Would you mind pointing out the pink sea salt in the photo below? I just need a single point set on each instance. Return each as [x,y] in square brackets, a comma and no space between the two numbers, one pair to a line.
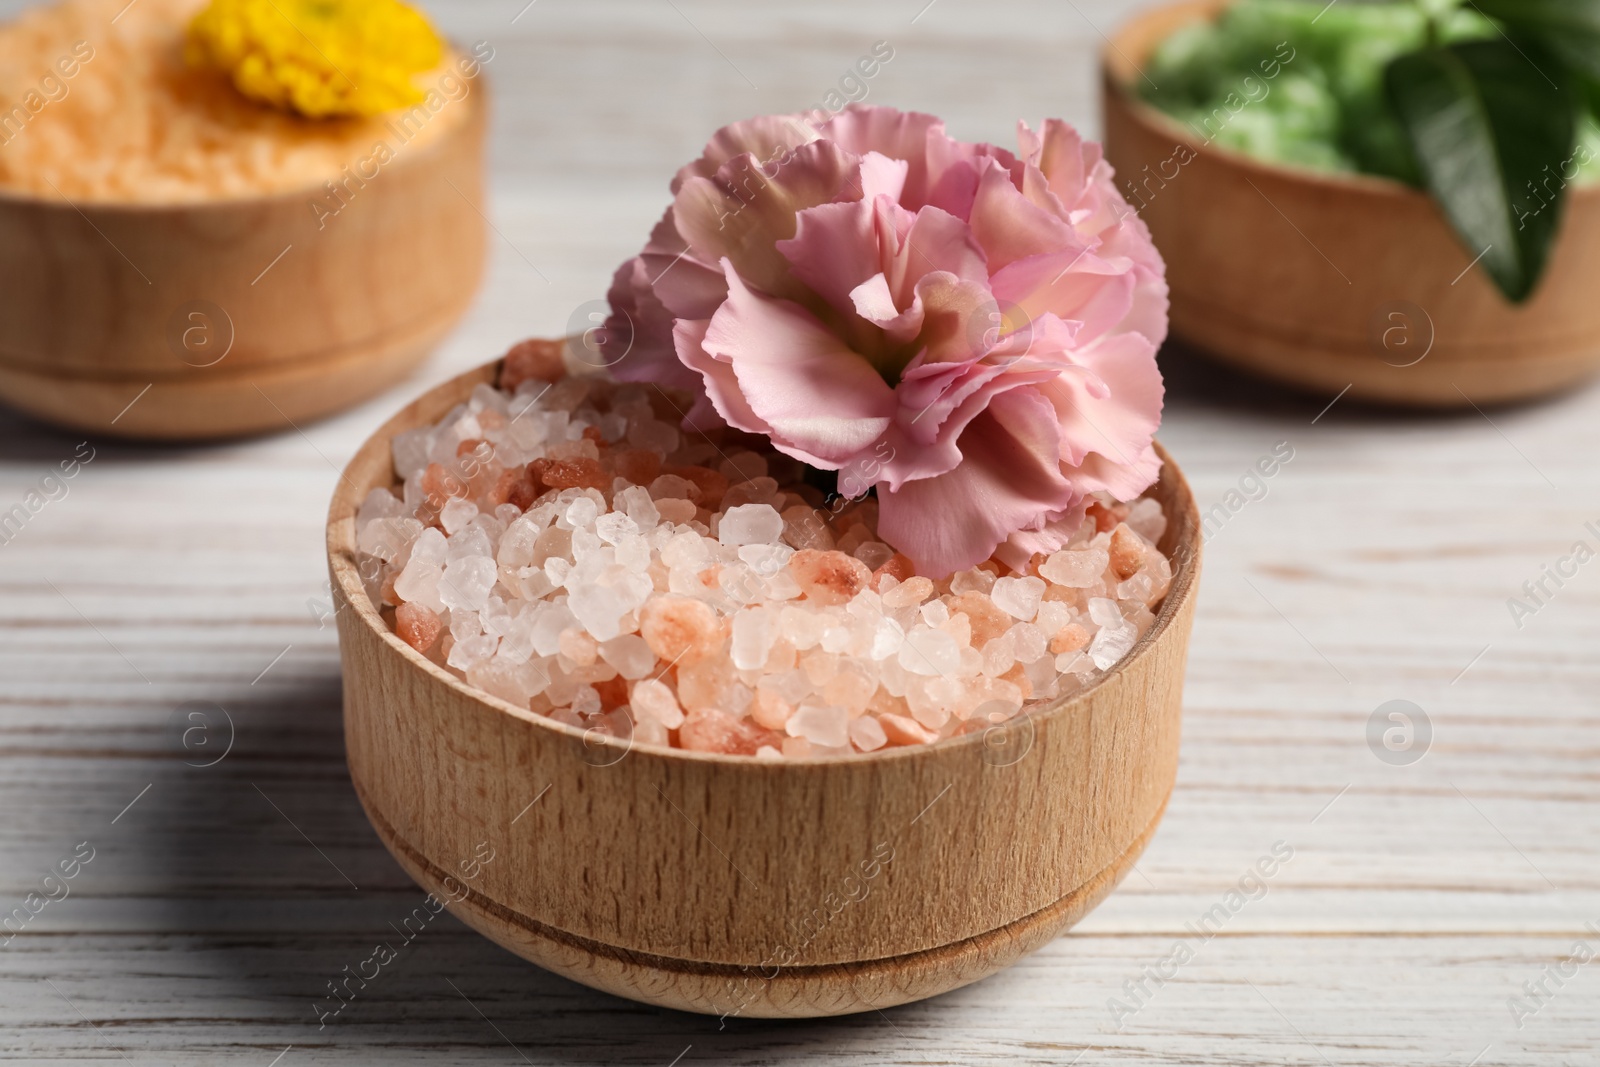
[566,548]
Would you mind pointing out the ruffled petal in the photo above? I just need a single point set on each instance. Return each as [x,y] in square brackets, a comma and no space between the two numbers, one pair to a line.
[1008,479]
[1105,439]
[743,211]
[1009,227]
[822,401]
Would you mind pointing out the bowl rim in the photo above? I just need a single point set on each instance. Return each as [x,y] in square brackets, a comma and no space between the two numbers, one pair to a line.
[19,200]
[342,553]
[1120,69]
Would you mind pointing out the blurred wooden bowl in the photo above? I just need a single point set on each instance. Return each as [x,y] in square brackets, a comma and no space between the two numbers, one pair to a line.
[235,317]
[728,885]
[1329,281]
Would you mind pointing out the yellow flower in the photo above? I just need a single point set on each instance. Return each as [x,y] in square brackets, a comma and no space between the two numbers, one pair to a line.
[322,58]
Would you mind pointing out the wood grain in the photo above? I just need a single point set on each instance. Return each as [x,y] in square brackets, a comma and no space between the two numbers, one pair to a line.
[194,302]
[1325,282]
[730,885]
[207,927]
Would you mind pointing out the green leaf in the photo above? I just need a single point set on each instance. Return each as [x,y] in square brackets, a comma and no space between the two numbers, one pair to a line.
[1554,16]
[1492,125]
[1569,28]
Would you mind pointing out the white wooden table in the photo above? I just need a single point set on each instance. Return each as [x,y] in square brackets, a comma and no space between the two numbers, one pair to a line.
[1420,898]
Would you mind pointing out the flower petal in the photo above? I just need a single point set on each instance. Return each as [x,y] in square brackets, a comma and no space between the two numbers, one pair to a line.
[1009,227]
[1076,286]
[823,402]
[1009,479]
[1105,440]
[743,211]
[766,137]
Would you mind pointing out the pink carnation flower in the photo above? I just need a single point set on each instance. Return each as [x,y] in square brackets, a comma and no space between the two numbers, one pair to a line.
[971,330]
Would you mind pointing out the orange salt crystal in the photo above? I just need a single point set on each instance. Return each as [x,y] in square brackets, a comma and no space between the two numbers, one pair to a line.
[578,646]
[1105,519]
[803,527]
[514,487]
[439,485]
[770,710]
[592,433]
[712,731]
[639,466]
[1127,554]
[828,577]
[471,444]
[580,473]
[532,360]
[679,629]
[417,626]
[1069,638]
[709,484]
[903,730]
[899,568]
[613,692]
[988,621]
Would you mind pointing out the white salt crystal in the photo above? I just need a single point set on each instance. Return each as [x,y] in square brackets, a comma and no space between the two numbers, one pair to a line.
[1076,568]
[803,628]
[466,582]
[1018,597]
[1028,641]
[418,583]
[611,527]
[653,699]
[1112,643]
[629,655]
[386,537]
[1146,519]
[472,651]
[765,560]
[635,502]
[547,626]
[633,553]
[581,512]
[886,639]
[430,547]
[753,635]
[867,734]
[935,613]
[456,513]
[379,504]
[464,624]
[687,550]
[470,541]
[1074,663]
[598,609]
[999,654]
[750,524]
[1052,616]
[929,652]
[1136,588]
[1104,612]
[828,726]
[586,701]
[975,580]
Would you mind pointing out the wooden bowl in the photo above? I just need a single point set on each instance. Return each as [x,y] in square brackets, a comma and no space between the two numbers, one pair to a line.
[1329,281]
[234,317]
[727,885]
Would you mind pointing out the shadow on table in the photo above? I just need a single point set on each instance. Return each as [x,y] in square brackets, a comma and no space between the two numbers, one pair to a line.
[1196,381]
[279,889]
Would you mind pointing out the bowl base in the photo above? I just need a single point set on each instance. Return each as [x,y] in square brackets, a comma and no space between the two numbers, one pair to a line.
[216,402]
[762,992]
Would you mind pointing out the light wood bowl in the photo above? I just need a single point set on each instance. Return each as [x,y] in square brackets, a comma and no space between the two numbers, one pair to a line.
[723,884]
[98,301]
[1327,281]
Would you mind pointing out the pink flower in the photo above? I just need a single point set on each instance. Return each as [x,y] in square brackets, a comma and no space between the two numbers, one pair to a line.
[971,330]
